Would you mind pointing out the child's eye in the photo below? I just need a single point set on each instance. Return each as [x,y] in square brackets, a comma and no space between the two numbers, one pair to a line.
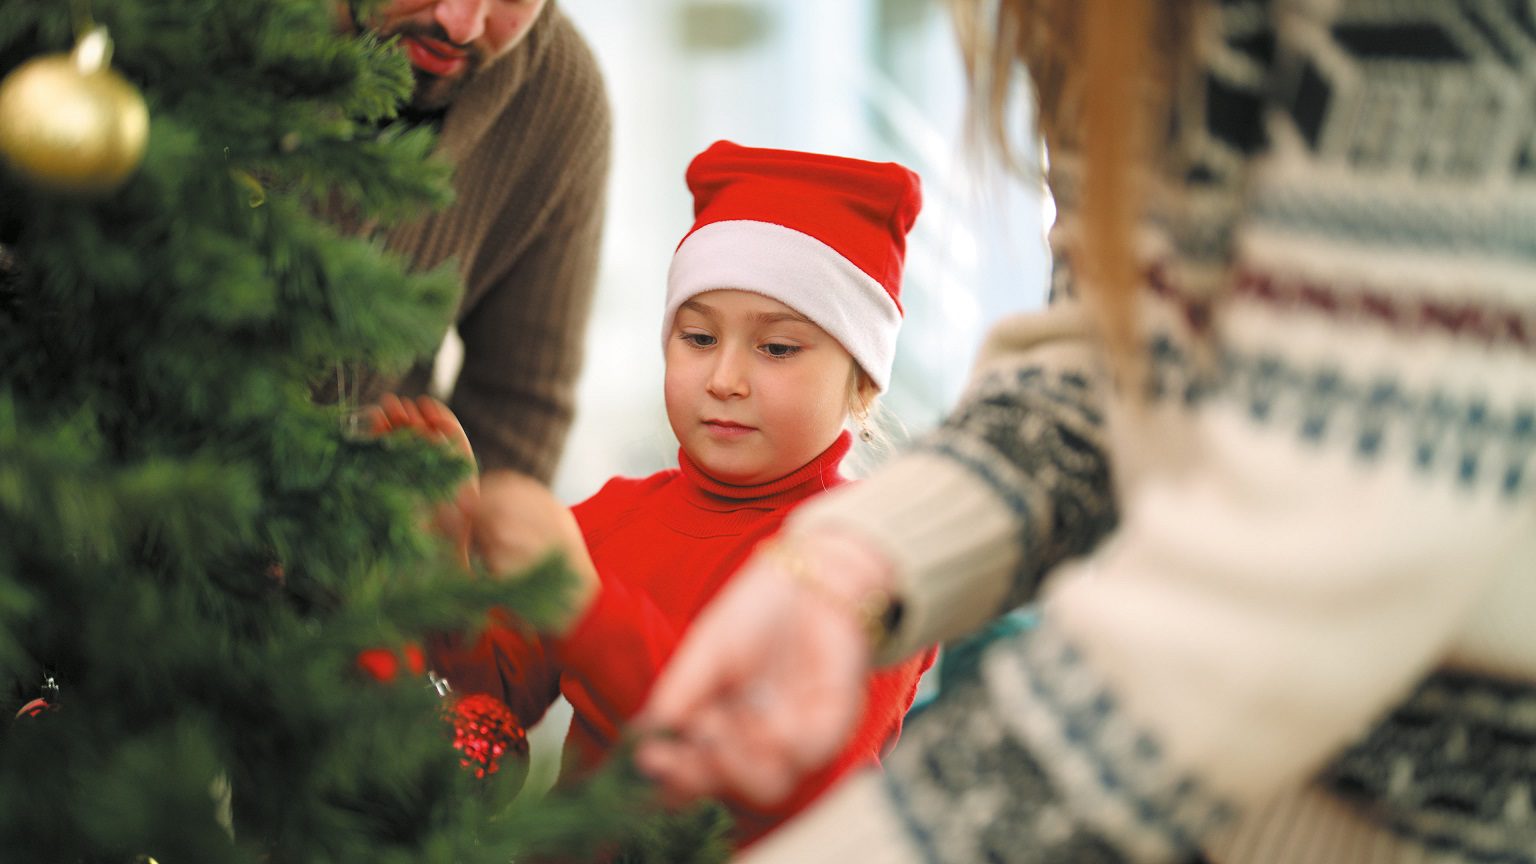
[697,340]
[779,349]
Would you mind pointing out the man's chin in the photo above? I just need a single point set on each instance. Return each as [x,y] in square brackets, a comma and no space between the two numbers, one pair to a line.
[435,94]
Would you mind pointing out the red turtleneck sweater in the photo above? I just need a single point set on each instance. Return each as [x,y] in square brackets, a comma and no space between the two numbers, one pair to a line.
[663,546]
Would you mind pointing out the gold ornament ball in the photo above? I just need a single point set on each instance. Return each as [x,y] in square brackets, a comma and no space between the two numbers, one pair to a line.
[71,130]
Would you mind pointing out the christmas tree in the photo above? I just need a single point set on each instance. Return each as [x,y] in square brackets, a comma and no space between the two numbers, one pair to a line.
[195,551]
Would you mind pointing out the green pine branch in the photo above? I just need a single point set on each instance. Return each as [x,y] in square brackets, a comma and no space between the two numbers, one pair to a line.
[192,543]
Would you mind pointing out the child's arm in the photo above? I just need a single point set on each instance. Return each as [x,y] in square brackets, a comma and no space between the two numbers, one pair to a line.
[613,652]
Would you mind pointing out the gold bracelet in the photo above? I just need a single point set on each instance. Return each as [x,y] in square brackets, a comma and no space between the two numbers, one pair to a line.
[877,610]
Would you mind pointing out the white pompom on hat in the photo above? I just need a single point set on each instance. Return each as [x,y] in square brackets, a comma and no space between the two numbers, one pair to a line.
[824,235]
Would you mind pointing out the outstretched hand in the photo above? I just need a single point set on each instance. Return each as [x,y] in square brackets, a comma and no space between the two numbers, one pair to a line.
[768,683]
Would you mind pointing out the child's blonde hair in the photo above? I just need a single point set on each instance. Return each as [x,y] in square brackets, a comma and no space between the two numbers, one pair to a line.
[871,420]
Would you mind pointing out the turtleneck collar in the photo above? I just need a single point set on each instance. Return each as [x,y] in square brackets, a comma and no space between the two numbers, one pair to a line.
[814,476]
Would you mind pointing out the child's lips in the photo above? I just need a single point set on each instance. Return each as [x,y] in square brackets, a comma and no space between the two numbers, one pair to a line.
[727,428]
[433,56]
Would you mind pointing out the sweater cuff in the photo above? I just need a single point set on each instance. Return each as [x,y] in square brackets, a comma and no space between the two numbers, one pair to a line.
[856,821]
[953,561]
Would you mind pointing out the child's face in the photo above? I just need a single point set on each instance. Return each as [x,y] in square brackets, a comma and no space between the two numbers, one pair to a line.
[754,390]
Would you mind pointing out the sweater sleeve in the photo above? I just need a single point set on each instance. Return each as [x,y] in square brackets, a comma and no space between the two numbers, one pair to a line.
[1014,481]
[614,653]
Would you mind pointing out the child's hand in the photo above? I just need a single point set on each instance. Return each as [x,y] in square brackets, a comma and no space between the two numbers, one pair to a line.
[519,521]
[432,420]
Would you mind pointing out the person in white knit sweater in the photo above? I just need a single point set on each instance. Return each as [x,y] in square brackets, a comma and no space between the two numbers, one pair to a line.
[1265,465]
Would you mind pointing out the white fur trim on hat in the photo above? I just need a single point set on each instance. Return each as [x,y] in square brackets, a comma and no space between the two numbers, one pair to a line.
[797,270]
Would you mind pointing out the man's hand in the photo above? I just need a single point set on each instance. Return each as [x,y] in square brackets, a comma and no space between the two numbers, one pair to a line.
[432,420]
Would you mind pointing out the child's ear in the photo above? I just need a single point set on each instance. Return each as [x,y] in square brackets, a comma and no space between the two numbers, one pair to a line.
[862,393]
[866,392]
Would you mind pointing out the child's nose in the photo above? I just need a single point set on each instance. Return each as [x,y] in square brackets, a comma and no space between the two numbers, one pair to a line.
[728,378]
[462,20]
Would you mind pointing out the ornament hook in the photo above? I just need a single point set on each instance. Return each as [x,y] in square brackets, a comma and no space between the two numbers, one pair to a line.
[93,52]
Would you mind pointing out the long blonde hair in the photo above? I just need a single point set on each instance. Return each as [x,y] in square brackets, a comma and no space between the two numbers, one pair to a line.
[1103,74]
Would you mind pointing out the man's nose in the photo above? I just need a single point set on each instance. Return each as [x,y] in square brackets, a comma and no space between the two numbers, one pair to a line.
[462,20]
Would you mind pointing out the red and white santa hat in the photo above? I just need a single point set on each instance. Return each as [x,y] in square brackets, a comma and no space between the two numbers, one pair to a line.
[824,235]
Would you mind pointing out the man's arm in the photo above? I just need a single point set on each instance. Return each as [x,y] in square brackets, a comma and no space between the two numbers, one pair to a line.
[534,192]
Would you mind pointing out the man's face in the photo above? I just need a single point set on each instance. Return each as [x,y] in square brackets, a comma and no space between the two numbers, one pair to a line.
[447,41]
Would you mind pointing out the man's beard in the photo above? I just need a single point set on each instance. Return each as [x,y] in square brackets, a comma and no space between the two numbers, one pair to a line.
[434,93]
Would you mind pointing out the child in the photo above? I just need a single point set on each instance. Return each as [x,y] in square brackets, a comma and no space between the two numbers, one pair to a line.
[780,323]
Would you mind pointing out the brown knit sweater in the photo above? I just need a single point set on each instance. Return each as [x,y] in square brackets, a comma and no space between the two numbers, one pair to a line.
[530,136]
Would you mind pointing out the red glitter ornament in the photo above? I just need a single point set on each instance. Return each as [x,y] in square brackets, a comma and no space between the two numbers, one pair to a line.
[485,730]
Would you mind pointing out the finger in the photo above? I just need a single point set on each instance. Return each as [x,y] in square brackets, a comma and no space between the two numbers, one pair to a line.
[763,781]
[441,420]
[395,410]
[657,754]
[678,766]
[414,419]
[389,403]
[679,777]
[726,749]
[373,419]
[432,422]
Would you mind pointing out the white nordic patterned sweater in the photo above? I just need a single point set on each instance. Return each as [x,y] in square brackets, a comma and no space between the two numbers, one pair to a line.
[1307,628]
